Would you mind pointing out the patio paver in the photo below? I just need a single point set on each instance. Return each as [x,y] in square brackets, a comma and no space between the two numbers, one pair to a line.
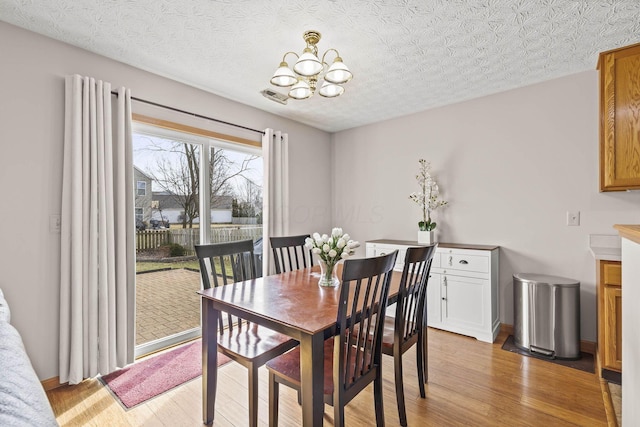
[166,303]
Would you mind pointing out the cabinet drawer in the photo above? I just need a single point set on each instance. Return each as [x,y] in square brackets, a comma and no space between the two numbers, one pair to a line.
[379,250]
[376,249]
[464,262]
[612,273]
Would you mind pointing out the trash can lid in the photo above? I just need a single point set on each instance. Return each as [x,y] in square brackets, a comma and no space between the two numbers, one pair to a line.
[546,279]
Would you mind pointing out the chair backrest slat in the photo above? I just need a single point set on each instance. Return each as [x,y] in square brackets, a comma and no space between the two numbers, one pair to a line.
[289,253]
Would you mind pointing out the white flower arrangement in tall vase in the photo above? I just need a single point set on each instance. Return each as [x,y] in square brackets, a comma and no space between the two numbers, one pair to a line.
[429,200]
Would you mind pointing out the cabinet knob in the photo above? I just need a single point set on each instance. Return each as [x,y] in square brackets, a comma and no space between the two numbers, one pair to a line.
[450,260]
[464,261]
[444,299]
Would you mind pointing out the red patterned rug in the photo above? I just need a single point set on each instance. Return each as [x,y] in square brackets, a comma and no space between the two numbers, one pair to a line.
[151,377]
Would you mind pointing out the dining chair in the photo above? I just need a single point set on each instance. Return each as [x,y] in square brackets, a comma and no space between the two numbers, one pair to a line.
[290,254]
[408,327]
[240,340]
[351,360]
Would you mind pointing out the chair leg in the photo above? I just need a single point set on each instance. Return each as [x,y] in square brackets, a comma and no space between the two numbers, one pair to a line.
[425,347]
[274,396]
[253,396]
[338,414]
[377,399]
[397,364]
[421,366]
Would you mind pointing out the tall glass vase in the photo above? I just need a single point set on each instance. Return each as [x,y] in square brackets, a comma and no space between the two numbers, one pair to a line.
[328,274]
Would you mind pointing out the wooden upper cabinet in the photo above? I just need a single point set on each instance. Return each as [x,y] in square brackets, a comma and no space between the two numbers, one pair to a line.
[620,119]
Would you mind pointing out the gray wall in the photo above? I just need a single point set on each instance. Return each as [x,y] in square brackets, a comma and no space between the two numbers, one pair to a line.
[31,133]
[511,165]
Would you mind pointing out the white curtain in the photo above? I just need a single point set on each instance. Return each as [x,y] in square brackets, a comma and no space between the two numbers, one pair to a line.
[275,154]
[97,290]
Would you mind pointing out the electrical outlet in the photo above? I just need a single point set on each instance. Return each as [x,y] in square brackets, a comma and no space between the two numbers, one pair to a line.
[54,223]
[573,217]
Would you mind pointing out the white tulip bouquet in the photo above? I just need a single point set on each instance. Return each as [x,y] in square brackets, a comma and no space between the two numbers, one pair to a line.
[330,250]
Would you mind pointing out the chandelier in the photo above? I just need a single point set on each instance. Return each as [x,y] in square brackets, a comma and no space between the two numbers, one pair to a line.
[309,70]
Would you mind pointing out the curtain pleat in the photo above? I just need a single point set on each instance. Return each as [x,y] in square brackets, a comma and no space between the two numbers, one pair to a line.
[275,155]
[97,263]
[124,230]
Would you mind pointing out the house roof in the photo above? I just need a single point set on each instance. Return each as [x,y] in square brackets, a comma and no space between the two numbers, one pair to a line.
[138,171]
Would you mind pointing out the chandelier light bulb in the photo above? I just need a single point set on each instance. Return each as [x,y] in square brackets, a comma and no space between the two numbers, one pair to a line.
[308,64]
[330,90]
[338,73]
[283,76]
[300,90]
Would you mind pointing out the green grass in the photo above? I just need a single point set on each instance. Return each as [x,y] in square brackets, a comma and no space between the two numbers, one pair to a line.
[150,266]
[193,264]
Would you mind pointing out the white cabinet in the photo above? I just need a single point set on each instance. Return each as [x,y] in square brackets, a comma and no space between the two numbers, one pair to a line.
[462,293]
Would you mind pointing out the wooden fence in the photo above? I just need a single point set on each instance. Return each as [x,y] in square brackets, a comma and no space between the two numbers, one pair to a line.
[151,239]
[189,237]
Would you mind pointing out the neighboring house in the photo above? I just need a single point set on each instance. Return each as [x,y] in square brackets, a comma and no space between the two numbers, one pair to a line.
[221,209]
[168,207]
[142,191]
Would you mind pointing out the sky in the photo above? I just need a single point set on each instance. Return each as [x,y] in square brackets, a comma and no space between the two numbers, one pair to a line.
[148,150]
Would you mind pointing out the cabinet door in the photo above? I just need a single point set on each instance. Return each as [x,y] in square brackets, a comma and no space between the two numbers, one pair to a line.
[613,327]
[464,303]
[620,119]
[434,300]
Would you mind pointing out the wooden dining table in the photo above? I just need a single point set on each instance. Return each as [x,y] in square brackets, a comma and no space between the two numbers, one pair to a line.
[291,303]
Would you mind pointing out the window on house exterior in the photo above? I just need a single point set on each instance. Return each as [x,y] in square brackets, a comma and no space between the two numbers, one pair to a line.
[142,188]
[200,189]
[139,215]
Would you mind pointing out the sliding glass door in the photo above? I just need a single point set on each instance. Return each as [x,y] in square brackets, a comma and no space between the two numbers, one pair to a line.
[189,189]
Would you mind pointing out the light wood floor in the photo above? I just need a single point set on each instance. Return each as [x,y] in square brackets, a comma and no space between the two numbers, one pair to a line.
[470,383]
[615,391]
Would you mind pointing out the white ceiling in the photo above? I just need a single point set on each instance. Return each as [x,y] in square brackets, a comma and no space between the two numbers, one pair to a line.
[406,55]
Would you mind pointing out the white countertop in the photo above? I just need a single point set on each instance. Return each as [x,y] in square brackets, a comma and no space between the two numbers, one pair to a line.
[605,247]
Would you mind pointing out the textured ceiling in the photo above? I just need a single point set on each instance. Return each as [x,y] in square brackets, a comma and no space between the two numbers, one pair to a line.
[406,55]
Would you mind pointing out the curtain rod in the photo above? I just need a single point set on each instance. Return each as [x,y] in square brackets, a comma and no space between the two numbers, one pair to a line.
[155,104]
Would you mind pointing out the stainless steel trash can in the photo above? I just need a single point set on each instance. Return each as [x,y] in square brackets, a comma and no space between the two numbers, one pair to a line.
[547,315]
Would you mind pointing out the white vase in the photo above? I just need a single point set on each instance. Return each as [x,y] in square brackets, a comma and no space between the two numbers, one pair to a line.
[426,237]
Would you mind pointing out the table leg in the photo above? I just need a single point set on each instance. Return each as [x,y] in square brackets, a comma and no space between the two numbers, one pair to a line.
[209,360]
[312,378]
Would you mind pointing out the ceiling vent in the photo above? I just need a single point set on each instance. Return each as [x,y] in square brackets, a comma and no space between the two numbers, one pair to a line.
[275,96]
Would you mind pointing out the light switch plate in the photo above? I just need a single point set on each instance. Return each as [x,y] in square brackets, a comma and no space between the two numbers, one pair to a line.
[54,223]
[573,217]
